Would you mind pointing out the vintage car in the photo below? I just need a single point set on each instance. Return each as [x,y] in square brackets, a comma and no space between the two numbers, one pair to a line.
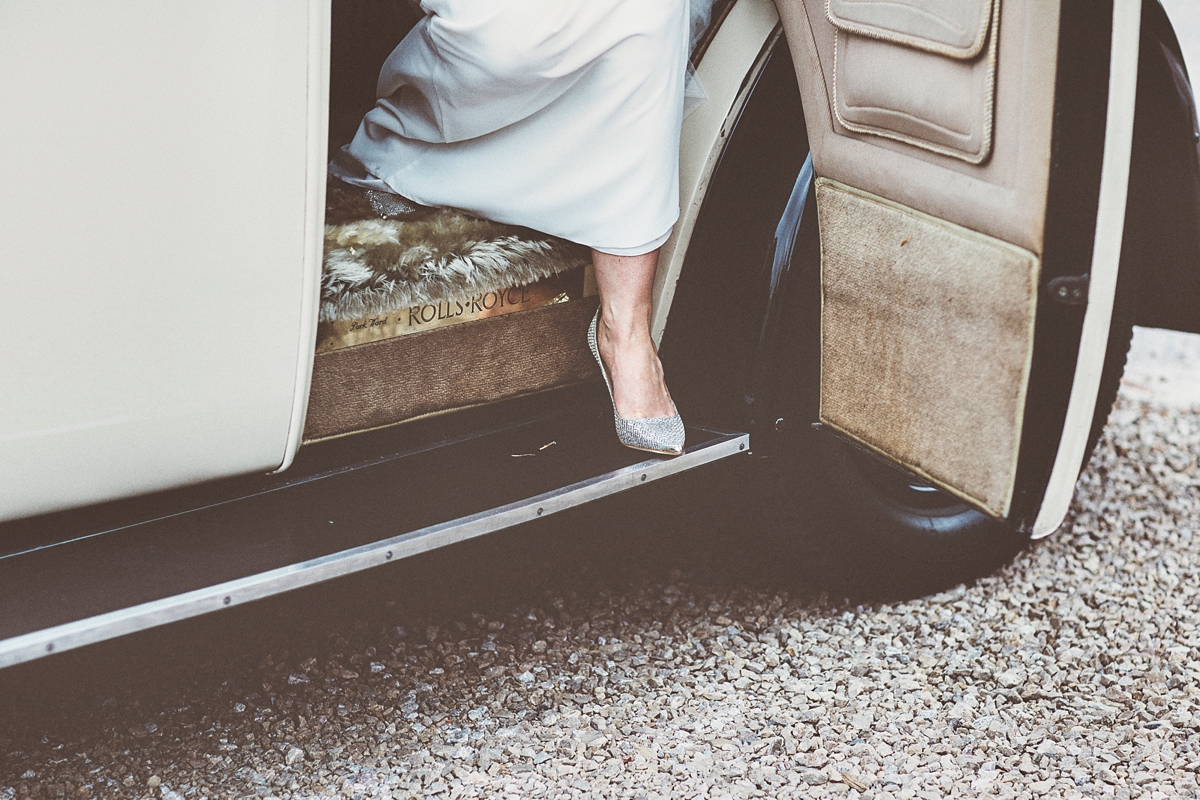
[914,239]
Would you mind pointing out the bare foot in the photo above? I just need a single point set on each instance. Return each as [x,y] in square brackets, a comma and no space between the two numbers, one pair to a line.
[639,389]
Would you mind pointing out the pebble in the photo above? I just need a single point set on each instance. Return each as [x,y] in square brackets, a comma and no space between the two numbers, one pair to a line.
[1074,672]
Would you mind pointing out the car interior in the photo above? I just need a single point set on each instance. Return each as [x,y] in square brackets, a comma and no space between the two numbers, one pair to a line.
[425,310]
[417,304]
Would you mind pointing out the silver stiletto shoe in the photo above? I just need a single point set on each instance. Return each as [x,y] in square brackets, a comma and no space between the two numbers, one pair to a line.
[662,435]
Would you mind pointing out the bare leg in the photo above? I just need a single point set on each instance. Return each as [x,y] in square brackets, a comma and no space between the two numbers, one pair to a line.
[623,334]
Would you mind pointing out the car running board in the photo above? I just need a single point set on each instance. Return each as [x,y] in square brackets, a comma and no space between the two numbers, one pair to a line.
[108,583]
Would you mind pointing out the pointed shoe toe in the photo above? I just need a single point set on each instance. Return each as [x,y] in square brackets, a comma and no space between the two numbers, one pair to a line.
[661,435]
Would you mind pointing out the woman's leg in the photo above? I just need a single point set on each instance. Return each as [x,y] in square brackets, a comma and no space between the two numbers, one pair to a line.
[623,335]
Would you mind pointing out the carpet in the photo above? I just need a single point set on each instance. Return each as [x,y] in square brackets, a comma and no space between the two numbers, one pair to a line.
[383,254]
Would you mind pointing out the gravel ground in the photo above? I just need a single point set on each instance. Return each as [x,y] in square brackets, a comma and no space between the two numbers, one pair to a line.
[558,668]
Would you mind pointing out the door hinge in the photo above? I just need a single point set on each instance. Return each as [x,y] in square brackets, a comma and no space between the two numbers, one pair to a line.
[1071,290]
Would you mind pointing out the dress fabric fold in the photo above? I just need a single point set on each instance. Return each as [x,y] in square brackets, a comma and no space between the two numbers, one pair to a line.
[559,115]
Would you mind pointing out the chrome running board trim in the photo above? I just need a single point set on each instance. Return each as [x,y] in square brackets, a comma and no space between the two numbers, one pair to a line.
[68,636]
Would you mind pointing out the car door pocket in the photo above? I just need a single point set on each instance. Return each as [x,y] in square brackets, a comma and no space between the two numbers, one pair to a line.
[926,342]
[917,71]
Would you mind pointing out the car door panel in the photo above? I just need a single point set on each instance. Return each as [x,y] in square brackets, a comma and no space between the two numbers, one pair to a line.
[1003,197]
[926,342]
[931,227]
[933,203]
[161,237]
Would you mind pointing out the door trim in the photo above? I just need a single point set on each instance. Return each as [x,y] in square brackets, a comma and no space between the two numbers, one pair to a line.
[1106,255]
[319,23]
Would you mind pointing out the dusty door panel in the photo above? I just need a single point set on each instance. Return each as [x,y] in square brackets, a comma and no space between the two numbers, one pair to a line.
[931,126]
[926,342]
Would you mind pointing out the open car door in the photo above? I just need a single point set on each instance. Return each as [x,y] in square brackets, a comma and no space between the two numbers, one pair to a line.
[973,157]
[162,242]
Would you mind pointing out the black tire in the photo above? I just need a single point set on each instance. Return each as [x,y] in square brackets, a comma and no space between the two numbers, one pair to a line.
[857,527]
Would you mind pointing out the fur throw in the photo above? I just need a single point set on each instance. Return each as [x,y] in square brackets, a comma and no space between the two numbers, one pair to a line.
[376,265]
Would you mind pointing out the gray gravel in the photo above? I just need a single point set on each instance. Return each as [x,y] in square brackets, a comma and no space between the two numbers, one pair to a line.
[1075,672]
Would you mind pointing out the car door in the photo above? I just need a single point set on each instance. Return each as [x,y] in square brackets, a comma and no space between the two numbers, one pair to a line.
[161,242]
[973,157]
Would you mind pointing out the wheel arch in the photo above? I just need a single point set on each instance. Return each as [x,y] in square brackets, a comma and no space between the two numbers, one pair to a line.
[1162,223]
[732,280]
[733,60]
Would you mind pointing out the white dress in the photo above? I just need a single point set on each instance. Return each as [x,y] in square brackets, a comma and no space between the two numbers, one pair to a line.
[559,115]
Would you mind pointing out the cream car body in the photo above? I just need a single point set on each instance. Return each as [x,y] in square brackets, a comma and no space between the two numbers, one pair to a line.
[164,193]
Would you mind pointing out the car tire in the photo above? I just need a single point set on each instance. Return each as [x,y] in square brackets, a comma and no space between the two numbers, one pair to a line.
[855,526]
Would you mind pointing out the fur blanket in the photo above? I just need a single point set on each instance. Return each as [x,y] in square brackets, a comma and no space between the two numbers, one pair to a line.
[377,262]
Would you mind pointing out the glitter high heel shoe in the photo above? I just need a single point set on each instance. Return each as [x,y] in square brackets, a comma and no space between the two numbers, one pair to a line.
[662,435]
